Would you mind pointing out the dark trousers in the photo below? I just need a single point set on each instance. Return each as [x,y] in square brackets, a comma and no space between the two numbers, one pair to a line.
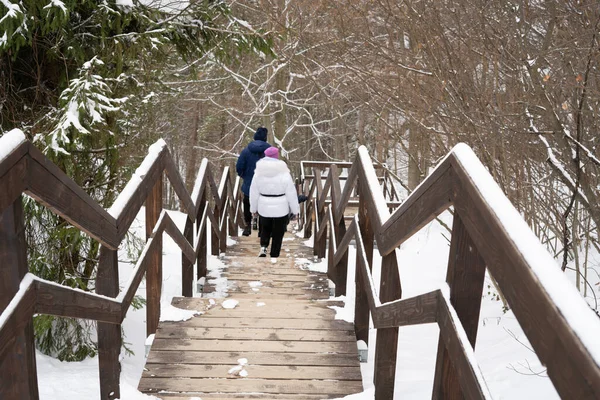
[247,213]
[272,228]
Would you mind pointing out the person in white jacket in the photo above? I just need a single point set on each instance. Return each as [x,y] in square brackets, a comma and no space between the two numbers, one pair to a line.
[273,196]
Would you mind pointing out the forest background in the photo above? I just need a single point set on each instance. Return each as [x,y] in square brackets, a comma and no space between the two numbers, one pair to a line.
[94,83]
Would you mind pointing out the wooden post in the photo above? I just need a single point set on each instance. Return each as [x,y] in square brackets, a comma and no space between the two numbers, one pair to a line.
[341,268]
[466,273]
[18,369]
[223,227]
[201,263]
[109,335]
[361,307]
[154,269]
[320,245]
[187,266]
[214,239]
[307,223]
[331,272]
[387,339]
[233,227]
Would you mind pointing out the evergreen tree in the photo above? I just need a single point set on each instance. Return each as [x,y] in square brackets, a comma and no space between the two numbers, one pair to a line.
[75,75]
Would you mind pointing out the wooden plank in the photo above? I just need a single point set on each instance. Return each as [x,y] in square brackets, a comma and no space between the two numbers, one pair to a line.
[155,385]
[254,372]
[570,366]
[154,263]
[370,193]
[201,246]
[52,188]
[320,244]
[176,180]
[183,242]
[268,312]
[472,387]
[243,346]
[109,335]
[345,242]
[200,186]
[240,272]
[416,310]
[194,303]
[238,333]
[17,367]
[366,236]
[313,164]
[320,294]
[298,285]
[465,276]
[275,277]
[255,358]
[187,264]
[63,301]
[345,197]
[13,183]
[138,274]
[9,160]
[144,189]
[386,348]
[431,198]
[271,323]
[269,290]
[232,396]
[13,326]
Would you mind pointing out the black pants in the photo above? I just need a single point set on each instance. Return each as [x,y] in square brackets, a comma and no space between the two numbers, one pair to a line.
[272,228]
[247,213]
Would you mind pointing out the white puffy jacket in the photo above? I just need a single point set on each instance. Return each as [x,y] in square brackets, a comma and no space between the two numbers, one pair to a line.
[272,177]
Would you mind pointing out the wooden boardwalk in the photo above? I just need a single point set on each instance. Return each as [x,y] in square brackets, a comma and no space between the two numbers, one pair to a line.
[294,347]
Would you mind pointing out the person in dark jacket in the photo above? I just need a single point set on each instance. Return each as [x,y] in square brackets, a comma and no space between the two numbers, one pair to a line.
[245,166]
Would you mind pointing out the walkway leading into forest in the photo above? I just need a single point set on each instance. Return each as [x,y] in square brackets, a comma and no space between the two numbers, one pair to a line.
[282,326]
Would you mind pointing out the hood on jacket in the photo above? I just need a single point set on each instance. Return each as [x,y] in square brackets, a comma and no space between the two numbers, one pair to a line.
[270,167]
[258,146]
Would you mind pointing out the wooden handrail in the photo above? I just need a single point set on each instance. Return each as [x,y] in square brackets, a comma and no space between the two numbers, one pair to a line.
[487,232]
[24,169]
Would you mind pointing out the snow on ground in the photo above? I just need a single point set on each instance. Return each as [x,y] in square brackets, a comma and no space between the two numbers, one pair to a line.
[305,263]
[511,370]
[79,380]
[230,303]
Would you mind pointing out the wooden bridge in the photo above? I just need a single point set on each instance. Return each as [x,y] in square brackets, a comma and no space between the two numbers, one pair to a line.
[487,232]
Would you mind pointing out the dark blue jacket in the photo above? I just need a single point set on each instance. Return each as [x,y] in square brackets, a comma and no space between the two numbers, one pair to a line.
[246,162]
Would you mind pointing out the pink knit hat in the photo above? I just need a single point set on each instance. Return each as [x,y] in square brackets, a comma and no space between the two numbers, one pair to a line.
[272,152]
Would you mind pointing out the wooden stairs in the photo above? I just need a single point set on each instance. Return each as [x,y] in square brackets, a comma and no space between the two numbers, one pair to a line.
[282,326]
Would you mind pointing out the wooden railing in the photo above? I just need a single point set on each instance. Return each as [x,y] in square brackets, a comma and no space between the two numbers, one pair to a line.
[25,169]
[311,185]
[487,232]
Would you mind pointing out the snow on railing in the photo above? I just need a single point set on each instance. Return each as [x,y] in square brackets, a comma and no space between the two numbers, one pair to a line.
[584,322]
[496,235]
[10,141]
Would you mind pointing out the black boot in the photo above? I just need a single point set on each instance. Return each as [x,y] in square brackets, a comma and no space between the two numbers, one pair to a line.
[247,231]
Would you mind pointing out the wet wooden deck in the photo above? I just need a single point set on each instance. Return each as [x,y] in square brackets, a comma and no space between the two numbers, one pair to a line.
[294,347]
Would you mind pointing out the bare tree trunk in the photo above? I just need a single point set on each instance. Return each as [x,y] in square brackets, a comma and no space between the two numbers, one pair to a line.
[413,158]
[192,159]
[280,120]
